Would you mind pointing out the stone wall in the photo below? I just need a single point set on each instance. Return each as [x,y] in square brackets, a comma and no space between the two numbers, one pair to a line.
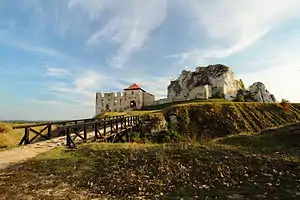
[148,99]
[121,101]
[199,92]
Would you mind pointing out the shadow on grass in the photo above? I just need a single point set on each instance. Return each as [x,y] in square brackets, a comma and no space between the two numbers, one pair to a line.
[150,171]
[283,140]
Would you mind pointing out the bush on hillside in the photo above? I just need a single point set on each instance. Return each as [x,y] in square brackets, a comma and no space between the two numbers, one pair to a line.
[285,104]
[239,97]
[218,95]
[3,128]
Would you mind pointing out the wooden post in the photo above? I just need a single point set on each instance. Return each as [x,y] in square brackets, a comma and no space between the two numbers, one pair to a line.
[127,136]
[85,133]
[68,138]
[96,130]
[27,141]
[111,126]
[121,122]
[104,127]
[49,131]
[116,120]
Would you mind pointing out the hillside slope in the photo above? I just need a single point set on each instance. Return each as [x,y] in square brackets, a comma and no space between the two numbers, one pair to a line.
[202,120]
[257,166]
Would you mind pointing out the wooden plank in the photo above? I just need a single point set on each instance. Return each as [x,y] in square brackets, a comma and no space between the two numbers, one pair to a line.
[77,134]
[32,139]
[22,140]
[40,132]
[61,122]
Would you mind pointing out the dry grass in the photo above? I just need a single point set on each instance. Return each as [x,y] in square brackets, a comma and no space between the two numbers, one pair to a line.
[10,137]
[265,166]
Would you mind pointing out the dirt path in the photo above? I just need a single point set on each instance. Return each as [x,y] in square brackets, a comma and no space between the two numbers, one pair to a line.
[23,153]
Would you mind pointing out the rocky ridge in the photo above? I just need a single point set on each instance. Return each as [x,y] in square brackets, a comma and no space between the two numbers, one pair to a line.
[221,80]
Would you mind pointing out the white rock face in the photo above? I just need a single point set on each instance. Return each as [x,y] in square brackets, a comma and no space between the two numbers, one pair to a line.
[205,82]
[259,93]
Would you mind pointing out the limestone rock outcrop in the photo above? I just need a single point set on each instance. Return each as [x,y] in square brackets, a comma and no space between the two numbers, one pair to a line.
[259,93]
[205,82]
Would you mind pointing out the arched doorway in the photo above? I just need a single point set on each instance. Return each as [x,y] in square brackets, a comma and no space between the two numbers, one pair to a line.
[132,104]
[107,107]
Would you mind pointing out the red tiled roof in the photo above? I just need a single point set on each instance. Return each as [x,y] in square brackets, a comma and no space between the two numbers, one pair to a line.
[133,87]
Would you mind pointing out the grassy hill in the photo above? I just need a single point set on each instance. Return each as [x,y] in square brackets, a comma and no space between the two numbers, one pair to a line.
[257,166]
[245,158]
[216,117]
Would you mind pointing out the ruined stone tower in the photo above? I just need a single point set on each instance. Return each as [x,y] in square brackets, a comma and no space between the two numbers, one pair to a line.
[133,97]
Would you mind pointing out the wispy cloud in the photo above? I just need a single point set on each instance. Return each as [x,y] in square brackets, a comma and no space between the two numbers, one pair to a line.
[237,24]
[130,27]
[57,72]
[18,43]
[81,90]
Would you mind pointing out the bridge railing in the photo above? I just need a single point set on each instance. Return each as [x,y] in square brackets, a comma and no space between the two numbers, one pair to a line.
[52,129]
[105,130]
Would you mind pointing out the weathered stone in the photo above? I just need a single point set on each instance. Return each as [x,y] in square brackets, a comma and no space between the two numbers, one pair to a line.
[205,82]
[259,93]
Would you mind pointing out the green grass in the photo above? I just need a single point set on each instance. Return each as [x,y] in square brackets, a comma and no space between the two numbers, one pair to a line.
[128,113]
[194,101]
[207,120]
[260,166]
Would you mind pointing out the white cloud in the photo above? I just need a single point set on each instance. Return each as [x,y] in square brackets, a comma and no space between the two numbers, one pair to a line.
[57,72]
[281,80]
[234,25]
[279,69]
[132,23]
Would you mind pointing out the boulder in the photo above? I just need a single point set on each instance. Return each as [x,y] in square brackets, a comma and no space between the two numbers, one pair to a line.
[205,82]
[259,93]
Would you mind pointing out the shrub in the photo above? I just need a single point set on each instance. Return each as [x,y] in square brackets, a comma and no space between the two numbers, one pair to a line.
[3,128]
[285,104]
[241,84]
[239,98]
[218,95]
[166,136]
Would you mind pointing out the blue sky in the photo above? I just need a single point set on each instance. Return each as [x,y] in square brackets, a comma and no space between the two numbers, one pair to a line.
[55,54]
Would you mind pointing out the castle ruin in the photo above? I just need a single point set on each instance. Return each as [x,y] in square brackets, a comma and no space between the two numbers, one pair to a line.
[133,97]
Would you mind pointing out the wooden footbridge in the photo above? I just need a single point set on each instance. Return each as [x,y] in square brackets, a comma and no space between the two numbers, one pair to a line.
[109,129]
